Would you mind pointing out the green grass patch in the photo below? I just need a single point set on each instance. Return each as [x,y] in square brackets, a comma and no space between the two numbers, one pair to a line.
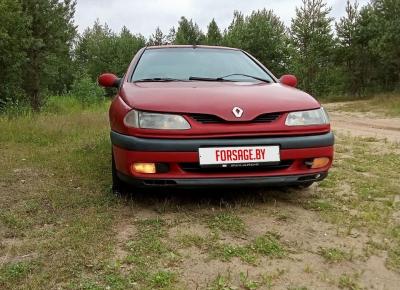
[227,222]
[221,283]
[189,240]
[147,246]
[162,279]
[267,245]
[147,250]
[12,273]
[335,255]
[349,282]
[360,190]
[388,104]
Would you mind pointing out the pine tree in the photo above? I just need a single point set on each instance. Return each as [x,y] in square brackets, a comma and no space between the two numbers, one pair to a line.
[234,34]
[266,38]
[13,43]
[188,32]
[214,36]
[126,46]
[262,34]
[313,43]
[387,43]
[95,50]
[157,38]
[170,38]
[349,51]
[51,32]
[100,50]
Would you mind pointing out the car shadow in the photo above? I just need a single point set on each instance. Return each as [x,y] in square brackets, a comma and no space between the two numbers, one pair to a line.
[163,199]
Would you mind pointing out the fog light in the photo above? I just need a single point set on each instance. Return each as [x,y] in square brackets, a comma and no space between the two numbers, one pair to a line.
[320,162]
[148,168]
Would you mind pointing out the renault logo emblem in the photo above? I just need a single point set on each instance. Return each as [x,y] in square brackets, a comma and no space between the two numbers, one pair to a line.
[238,112]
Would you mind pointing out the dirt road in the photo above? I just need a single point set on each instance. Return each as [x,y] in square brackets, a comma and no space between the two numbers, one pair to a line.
[363,124]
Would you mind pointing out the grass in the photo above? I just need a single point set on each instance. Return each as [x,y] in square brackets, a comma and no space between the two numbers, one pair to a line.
[221,283]
[267,245]
[227,222]
[226,282]
[348,282]
[60,224]
[335,255]
[248,283]
[13,272]
[370,175]
[162,279]
[385,104]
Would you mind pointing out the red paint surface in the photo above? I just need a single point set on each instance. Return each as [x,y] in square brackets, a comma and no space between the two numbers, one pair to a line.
[124,158]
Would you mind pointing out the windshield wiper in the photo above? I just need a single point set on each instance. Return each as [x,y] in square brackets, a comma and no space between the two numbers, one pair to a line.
[249,76]
[223,78]
[208,79]
[159,80]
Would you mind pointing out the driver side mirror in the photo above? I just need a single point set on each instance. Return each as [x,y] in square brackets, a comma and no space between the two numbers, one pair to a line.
[109,80]
[289,80]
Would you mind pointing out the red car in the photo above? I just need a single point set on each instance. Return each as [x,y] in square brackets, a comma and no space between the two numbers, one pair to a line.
[192,116]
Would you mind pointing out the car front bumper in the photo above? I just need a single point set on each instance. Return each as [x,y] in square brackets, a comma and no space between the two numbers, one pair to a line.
[181,156]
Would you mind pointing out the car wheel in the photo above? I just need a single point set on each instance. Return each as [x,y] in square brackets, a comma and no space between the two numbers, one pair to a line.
[118,186]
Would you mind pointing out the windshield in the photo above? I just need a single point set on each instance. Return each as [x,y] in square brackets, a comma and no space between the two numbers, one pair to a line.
[183,63]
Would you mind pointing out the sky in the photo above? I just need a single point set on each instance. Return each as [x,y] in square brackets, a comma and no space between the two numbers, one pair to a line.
[143,16]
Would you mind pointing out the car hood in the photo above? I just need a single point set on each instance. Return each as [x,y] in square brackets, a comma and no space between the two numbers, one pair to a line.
[216,98]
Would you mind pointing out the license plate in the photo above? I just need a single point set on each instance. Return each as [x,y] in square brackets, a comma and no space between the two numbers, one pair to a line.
[232,156]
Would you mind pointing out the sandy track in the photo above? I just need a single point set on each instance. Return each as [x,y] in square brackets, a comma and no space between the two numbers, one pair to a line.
[364,124]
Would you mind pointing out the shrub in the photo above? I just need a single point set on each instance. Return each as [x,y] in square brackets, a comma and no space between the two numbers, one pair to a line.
[87,91]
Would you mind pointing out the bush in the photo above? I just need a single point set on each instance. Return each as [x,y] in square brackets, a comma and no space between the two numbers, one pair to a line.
[87,91]
[66,104]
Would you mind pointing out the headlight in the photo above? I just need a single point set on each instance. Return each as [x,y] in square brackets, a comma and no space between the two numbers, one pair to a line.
[146,120]
[304,118]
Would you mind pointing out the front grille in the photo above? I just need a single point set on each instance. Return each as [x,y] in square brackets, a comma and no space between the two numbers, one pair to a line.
[266,118]
[207,119]
[196,168]
[212,119]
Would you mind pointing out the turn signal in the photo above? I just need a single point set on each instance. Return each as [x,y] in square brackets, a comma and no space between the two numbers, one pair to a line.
[320,162]
[148,168]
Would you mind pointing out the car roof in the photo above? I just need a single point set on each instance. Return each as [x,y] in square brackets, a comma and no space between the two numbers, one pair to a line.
[189,46]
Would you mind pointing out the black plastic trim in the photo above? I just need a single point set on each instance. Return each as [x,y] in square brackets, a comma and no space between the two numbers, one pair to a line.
[225,182]
[191,145]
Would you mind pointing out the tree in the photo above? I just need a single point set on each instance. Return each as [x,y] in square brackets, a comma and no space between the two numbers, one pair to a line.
[94,50]
[312,43]
[350,53]
[266,38]
[377,40]
[51,32]
[170,38]
[386,43]
[100,50]
[262,34]
[157,38]
[126,46]
[13,42]
[188,32]
[233,36]
[214,36]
